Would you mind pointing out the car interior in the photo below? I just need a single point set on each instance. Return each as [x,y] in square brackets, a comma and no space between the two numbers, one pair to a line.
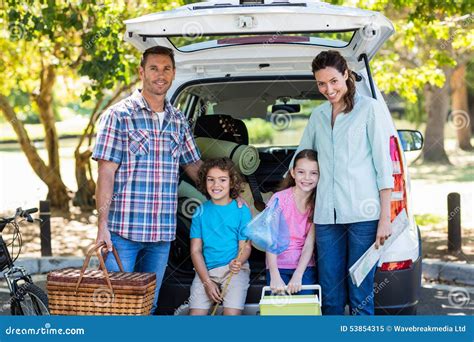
[227,111]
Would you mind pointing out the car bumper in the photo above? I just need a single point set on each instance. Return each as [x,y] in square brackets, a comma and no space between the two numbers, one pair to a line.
[398,292]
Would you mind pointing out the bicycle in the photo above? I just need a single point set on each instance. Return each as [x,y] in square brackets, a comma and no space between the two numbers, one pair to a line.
[26,299]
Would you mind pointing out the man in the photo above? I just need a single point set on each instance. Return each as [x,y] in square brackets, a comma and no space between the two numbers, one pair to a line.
[141,141]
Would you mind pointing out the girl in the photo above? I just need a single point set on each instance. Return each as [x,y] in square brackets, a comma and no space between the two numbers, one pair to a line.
[217,236]
[351,134]
[295,266]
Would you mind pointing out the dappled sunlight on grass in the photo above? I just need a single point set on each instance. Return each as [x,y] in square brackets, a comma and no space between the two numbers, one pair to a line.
[461,170]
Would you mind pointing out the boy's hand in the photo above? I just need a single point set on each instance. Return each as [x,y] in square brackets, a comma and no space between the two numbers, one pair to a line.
[212,291]
[294,285]
[235,266]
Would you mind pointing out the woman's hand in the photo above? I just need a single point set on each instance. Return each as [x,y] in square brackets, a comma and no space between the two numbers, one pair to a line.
[212,291]
[384,231]
[294,286]
[277,285]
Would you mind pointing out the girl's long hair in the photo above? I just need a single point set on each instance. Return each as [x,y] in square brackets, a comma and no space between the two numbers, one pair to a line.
[289,181]
[334,59]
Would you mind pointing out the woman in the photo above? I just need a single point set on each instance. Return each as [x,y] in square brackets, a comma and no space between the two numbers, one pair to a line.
[351,135]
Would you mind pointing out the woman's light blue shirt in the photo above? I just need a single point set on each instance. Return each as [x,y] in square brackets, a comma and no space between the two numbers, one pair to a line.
[354,161]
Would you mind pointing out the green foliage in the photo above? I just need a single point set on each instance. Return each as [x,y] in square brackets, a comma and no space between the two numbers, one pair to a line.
[428,219]
[81,39]
[260,131]
[415,111]
[430,36]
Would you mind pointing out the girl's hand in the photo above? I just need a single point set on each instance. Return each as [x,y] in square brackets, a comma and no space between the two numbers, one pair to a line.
[294,286]
[277,285]
[212,291]
[235,266]
[384,231]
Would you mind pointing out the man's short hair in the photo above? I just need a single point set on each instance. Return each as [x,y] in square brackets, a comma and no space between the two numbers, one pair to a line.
[157,50]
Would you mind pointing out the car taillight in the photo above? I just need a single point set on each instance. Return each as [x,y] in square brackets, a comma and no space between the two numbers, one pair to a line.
[396,266]
[399,195]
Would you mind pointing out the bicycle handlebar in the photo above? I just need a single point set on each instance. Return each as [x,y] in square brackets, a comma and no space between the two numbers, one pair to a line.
[19,213]
[29,211]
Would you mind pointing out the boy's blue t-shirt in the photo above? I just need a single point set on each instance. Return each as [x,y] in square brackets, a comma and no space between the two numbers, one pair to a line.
[220,227]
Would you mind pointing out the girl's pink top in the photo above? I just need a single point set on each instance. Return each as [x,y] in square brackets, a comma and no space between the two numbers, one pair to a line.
[298,224]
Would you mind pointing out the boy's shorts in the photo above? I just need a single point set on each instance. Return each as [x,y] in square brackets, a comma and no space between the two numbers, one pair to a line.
[236,292]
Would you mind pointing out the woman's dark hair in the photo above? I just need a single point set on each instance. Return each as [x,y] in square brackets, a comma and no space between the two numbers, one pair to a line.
[334,59]
[224,164]
[289,181]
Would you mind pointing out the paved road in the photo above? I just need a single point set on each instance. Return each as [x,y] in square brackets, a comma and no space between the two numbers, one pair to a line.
[436,299]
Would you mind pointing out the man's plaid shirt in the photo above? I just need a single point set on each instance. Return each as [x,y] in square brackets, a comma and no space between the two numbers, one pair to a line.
[144,202]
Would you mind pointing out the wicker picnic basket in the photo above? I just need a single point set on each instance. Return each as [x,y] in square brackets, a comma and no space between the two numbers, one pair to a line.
[84,291]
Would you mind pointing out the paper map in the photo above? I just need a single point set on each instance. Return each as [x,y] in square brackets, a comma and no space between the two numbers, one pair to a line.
[367,261]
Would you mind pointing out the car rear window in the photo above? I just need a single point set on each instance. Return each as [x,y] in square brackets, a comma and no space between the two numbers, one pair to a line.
[194,41]
[275,113]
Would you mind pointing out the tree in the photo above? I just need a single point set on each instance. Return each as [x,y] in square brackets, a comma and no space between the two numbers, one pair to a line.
[431,39]
[47,39]
[460,108]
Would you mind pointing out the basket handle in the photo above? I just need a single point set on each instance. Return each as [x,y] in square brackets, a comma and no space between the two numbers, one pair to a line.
[96,249]
[106,254]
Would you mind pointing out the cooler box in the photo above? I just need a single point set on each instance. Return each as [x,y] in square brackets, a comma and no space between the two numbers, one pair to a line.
[291,305]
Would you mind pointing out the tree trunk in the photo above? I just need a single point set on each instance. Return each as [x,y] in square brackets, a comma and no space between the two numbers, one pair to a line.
[58,193]
[437,106]
[84,196]
[460,119]
[45,105]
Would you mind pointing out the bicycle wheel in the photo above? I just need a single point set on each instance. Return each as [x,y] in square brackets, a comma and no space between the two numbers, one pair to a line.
[30,300]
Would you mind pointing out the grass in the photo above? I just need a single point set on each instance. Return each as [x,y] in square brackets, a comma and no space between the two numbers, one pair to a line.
[70,127]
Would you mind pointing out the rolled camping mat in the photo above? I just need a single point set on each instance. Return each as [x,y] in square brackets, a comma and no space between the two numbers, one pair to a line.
[245,157]
[188,191]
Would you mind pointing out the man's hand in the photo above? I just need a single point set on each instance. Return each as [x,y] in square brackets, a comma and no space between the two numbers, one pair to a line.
[241,202]
[103,235]
[212,291]
[235,266]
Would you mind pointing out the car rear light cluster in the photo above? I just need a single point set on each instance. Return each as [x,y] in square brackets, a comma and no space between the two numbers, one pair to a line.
[399,195]
[396,266]
[399,198]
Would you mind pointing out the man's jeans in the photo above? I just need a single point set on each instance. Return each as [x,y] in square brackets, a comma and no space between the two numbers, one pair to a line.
[339,247]
[140,257]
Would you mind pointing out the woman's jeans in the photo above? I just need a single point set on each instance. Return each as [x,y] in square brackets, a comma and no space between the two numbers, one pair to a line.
[339,247]
[140,257]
